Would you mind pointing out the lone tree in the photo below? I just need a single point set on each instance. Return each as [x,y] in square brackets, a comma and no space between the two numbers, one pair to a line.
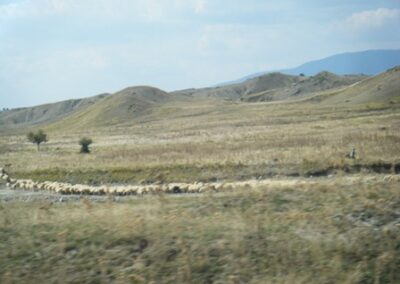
[85,142]
[37,138]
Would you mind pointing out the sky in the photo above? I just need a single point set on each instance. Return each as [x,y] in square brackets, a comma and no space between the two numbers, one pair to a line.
[52,50]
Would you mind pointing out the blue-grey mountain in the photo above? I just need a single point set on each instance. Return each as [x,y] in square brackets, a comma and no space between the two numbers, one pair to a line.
[369,62]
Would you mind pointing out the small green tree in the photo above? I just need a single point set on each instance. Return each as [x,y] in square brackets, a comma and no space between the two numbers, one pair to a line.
[85,142]
[37,138]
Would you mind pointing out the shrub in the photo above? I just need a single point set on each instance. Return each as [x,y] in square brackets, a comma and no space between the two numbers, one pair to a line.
[85,142]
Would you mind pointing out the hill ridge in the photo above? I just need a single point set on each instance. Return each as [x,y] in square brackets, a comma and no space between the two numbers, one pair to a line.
[135,103]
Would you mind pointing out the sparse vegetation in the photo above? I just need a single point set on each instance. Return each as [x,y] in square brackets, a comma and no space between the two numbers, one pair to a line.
[37,138]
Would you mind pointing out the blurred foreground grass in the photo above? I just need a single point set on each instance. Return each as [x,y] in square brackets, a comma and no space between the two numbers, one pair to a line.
[321,233]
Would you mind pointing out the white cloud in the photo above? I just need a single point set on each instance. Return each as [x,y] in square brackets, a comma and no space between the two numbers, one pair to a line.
[371,19]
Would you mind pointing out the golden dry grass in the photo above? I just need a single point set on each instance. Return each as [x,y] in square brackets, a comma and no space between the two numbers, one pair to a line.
[311,233]
[228,139]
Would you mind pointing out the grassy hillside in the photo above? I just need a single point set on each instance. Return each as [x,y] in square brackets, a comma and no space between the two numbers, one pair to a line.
[383,88]
[276,87]
[21,117]
[305,87]
[125,106]
[255,85]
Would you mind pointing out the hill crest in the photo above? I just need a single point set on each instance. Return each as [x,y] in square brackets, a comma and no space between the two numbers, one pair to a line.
[134,104]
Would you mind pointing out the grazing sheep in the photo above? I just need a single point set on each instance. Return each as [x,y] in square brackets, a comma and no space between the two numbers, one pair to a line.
[157,189]
[227,186]
[112,190]
[102,190]
[5,177]
[219,187]
[206,188]
[193,188]
[391,178]
[93,190]
[184,188]
[174,188]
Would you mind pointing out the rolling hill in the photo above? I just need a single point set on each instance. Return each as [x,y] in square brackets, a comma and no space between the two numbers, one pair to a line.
[383,88]
[136,104]
[304,87]
[251,86]
[124,106]
[45,113]
[275,86]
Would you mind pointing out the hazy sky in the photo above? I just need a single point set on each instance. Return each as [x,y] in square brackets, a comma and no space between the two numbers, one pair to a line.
[52,50]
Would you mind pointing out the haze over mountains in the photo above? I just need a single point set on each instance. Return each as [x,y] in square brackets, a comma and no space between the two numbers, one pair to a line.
[134,103]
[369,62]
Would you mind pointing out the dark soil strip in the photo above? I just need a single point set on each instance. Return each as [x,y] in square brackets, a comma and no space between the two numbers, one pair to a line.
[191,173]
[379,168]
[397,168]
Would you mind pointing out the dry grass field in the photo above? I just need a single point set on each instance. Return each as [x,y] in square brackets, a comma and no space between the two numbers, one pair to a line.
[213,140]
[343,227]
[334,231]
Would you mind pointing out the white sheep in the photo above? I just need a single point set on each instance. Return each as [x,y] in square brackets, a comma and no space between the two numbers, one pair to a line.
[5,177]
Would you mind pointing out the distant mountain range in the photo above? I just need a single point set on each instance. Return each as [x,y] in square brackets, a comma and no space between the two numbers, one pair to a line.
[369,62]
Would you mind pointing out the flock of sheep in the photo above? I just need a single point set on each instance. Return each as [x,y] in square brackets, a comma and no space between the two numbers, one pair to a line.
[66,188]
[197,187]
